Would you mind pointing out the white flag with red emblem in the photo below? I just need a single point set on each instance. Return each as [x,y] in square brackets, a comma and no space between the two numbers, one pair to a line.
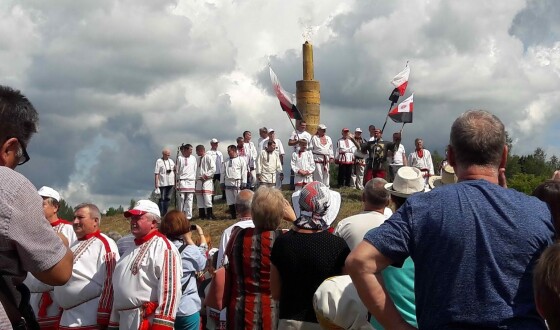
[402,113]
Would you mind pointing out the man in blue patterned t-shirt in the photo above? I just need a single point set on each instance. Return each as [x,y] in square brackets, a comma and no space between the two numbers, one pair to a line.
[473,243]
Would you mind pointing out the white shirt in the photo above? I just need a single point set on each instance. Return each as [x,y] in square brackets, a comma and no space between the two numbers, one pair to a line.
[186,168]
[268,165]
[297,135]
[243,223]
[321,151]
[353,229]
[345,151]
[279,146]
[206,166]
[234,172]
[302,160]
[218,159]
[80,297]
[399,155]
[166,171]
[149,272]
[421,162]
[251,150]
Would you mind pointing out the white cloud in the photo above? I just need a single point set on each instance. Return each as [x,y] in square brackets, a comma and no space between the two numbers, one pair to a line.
[140,75]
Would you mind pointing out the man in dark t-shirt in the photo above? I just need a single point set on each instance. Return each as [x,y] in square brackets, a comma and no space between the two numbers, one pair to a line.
[474,243]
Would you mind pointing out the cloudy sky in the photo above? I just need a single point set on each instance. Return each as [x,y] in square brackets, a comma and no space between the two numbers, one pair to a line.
[114,81]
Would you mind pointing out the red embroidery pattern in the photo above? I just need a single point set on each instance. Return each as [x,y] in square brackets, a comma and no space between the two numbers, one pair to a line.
[82,248]
[141,254]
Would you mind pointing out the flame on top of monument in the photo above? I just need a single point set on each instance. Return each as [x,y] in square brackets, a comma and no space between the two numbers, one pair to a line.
[308,32]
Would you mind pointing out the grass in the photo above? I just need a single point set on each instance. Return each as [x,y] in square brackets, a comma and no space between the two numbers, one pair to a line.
[351,204]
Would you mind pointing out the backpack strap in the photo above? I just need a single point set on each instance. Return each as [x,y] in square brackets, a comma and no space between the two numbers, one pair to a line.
[181,249]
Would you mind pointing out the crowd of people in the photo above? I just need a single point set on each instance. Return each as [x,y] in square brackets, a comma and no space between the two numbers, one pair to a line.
[455,251]
[250,165]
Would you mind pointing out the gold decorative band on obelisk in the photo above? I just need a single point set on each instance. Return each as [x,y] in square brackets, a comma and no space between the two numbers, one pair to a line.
[308,91]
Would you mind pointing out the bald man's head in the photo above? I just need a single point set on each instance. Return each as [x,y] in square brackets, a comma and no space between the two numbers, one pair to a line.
[243,203]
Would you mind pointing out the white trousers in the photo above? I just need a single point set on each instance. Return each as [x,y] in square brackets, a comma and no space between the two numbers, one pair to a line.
[321,175]
[186,203]
[204,191]
[358,176]
[231,195]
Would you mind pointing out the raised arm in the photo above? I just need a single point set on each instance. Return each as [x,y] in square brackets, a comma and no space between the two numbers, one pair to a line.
[364,265]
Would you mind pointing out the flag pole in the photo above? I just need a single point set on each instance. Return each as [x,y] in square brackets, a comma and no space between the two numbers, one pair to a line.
[294,126]
[387,116]
[402,128]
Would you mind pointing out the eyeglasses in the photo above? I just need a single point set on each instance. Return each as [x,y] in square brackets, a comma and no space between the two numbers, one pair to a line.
[25,155]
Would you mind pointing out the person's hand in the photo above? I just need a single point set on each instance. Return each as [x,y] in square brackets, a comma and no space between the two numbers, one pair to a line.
[187,237]
[289,214]
[199,230]
[556,175]
[502,181]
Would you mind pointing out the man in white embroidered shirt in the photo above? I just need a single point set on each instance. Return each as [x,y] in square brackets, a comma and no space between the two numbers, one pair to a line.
[42,301]
[147,277]
[87,299]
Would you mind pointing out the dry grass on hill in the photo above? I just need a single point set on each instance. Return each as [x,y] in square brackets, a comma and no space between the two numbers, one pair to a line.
[351,204]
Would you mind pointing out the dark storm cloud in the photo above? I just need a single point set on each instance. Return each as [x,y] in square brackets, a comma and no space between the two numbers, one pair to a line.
[537,24]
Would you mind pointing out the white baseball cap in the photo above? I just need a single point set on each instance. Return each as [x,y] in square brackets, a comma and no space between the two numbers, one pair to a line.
[322,126]
[142,207]
[214,140]
[49,192]
[358,130]
[270,130]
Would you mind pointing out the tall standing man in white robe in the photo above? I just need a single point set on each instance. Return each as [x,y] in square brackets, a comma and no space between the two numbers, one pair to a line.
[244,151]
[234,178]
[147,279]
[87,298]
[269,165]
[186,173]
[323,155]
[204,188]
[279,149]
[345,158]
[250,148]
[47,311]
[218,158]
[358,170]
[421,159]
[303,165]
[299,133]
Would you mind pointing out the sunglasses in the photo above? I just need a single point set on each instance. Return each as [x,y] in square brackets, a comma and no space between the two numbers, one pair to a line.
[25,156]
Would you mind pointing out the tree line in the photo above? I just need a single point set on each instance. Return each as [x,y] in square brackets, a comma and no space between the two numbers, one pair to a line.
[66,211]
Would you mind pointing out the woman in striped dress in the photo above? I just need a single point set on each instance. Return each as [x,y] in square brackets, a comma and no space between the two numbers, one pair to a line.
[250,304]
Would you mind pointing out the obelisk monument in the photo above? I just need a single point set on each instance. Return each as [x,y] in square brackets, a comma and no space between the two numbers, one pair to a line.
[308,91]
